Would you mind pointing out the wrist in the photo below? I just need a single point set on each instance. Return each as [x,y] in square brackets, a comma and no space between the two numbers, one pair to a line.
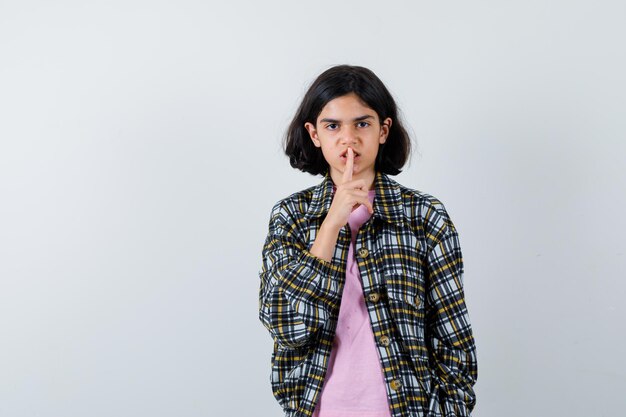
[329,228]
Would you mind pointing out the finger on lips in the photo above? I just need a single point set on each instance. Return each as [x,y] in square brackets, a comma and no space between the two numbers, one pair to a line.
[347,173]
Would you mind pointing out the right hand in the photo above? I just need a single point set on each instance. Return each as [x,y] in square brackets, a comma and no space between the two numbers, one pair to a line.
[348,196]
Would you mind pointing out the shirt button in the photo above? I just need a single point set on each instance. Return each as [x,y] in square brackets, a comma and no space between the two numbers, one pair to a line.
[373,297]
[417,300]
[396,384]
[363,252]
[384,340]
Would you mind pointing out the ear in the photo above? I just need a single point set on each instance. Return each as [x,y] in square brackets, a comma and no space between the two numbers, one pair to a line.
[384,129]
[310,127]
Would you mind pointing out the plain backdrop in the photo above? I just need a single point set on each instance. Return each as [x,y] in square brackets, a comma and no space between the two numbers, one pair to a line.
[140,156]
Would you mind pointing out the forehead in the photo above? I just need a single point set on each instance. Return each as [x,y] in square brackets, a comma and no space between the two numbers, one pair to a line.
[346,106]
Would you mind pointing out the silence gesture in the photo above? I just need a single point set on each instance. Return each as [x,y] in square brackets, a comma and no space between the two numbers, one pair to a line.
[348,196]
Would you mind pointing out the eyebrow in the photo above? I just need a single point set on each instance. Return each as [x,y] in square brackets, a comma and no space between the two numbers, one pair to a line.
[356,119]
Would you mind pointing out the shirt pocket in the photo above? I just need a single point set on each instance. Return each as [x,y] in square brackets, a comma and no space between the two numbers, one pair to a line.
[406,293]
[406,296]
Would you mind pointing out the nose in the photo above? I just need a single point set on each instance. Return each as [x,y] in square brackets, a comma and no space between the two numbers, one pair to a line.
[349,136]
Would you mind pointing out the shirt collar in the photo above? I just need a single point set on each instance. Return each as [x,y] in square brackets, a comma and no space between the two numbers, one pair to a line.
[387,201]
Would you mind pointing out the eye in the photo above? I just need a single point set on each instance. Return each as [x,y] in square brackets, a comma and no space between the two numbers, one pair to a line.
[331,126]
[363,124]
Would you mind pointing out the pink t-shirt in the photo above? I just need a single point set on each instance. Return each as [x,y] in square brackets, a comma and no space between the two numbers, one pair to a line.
[354,385]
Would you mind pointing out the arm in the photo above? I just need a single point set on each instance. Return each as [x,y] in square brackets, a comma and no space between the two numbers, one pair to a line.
[298,291]
[449,334]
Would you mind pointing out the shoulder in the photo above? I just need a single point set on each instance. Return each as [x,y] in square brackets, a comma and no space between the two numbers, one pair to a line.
[427,213]
[418,203]
[293,206]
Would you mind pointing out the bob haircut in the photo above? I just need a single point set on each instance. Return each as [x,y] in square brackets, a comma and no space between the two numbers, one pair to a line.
[335,82]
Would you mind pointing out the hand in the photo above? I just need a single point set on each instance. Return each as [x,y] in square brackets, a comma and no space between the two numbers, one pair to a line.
[348,196]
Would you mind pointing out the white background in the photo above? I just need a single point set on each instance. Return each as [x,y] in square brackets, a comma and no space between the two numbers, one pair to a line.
[140,156]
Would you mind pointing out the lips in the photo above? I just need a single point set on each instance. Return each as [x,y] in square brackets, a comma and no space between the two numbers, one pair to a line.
[345,153]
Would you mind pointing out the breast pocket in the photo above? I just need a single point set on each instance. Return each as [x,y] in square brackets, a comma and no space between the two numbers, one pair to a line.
[406,296]
[406,301]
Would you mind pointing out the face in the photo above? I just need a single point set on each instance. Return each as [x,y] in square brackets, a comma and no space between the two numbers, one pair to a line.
[347,121]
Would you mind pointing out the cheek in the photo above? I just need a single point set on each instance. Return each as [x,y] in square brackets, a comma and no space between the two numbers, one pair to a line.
[327,153]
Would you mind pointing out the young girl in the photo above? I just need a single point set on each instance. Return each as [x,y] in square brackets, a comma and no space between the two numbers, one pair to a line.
[361,283]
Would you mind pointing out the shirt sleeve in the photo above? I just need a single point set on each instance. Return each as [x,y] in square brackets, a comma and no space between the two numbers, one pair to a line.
[298,291]
[449,334]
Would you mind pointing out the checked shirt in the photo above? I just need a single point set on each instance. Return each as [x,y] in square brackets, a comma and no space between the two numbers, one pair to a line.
[411,267]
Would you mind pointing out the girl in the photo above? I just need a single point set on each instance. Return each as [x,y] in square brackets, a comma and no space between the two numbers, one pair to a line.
[361,279]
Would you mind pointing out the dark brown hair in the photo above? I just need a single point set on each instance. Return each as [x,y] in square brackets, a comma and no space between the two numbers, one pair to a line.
[335,82]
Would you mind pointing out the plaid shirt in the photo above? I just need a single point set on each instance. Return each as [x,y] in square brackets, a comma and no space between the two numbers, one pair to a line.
[411,267]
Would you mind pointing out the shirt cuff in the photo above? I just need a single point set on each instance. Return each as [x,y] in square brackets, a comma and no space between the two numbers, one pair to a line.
[319,265]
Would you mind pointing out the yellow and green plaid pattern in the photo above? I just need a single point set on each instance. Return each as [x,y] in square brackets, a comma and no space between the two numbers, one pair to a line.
[411,267]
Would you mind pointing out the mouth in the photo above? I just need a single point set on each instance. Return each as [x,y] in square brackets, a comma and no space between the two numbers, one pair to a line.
[344,155]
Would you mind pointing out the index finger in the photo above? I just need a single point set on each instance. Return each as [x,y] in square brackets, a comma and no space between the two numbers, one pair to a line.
[347,172]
